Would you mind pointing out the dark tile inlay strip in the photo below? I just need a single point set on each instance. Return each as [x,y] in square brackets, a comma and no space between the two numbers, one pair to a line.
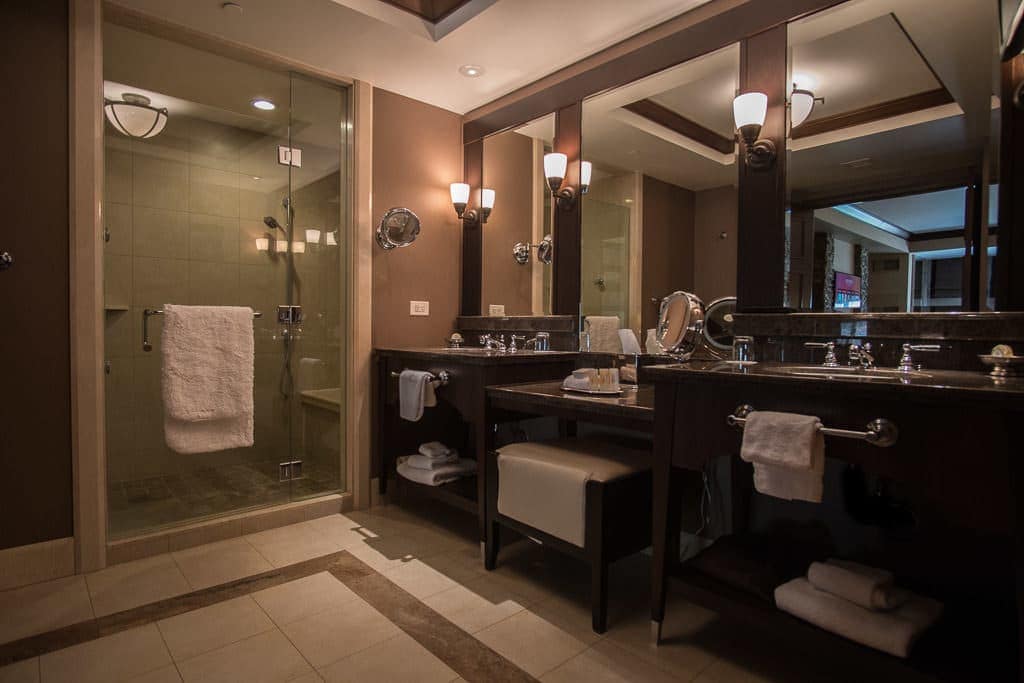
[42,643]
[466,655]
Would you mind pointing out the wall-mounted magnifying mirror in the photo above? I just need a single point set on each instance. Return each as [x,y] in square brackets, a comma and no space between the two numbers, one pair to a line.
[398,228]
[680,323]
[719,327]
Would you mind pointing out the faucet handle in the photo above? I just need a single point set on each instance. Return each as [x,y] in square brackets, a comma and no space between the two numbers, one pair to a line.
[907,361]
[830,352]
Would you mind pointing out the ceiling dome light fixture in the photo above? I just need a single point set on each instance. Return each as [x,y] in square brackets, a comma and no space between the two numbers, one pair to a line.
[264,104]
[471,70]
[801,104]
[133,116]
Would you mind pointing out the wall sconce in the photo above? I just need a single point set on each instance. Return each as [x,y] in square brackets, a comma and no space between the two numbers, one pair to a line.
[460,198]
[312,236]
[749,111]
[586,169]
[545,250]
[262,244]
[331,239]
[281,247]
[555,164]
[298,247]
[801,104]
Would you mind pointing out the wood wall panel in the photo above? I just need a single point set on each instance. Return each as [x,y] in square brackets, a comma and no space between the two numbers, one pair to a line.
[568,224]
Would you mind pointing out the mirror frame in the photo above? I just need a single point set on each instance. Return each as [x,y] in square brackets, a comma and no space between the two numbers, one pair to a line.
[384,239]
[761,29]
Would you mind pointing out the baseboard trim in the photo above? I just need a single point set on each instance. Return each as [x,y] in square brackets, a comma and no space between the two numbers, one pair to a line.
[25,564]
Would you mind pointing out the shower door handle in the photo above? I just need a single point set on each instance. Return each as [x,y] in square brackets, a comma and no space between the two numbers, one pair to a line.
[6,260]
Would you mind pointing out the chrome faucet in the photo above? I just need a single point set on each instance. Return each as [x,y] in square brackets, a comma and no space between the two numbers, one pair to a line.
[493,344]
[542,342]
[907,361]
[513,347]
[830,352]
[860,356]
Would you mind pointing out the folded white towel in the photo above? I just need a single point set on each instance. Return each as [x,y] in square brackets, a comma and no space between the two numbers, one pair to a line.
[788,453]
[630,344]
[207,377]
[652,344]
[436,477]
[868,587]
[415,392]
[423,462]
[578,383]
[435,449]
[604,333]
[894,632]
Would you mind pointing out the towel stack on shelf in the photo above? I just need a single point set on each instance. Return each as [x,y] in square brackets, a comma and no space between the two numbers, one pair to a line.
[860,603]
[435,464]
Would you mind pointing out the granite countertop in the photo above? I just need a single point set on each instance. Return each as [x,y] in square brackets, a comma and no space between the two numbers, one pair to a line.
[932,384]
[636,403]
[475,355]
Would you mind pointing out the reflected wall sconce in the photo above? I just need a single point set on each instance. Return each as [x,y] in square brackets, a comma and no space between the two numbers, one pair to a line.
[460,199]
[555,164]
[801,104]
[545,251]
[262,244]
[312,236]
[331,239]
[749,110]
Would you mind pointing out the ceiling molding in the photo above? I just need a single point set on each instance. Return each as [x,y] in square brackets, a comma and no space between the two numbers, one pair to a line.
[935,235]
[430,19]
[663,116]
[876,112]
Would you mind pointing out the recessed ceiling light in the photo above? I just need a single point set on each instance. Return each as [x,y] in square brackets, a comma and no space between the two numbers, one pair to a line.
[471,70]
[256,177]
[264,105]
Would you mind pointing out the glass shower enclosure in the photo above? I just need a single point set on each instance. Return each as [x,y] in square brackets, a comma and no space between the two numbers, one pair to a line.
[241,199]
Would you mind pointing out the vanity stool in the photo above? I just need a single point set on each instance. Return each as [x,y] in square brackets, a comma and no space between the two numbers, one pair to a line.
[587,497]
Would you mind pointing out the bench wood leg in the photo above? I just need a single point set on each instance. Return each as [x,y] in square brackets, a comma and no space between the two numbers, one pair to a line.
[599,597]
[491,545]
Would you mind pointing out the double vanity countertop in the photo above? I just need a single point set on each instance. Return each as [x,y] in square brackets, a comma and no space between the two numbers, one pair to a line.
[476,355]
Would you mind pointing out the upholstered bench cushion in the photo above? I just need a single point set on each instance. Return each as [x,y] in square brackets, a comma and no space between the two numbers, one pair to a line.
[544,483]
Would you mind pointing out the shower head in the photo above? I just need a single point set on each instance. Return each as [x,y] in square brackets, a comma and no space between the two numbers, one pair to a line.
[272,223]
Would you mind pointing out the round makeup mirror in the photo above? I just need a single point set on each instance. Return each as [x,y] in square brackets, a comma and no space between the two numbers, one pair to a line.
[719,325]
[398,228]
[680,322]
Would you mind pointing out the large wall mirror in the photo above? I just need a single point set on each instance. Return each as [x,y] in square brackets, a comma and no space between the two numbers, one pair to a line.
[518,281]
[660,212]
[893,175]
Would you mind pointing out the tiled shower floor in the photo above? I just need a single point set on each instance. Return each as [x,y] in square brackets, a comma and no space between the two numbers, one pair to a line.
[145,504]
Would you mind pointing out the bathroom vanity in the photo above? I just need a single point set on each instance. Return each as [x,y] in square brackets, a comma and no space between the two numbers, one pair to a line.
[946,520]
[458,418]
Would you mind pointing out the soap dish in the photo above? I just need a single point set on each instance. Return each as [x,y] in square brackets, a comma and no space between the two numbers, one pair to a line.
[1002,366]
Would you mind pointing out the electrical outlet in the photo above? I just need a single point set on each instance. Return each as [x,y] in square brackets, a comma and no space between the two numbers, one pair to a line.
[496,310]
[419,308]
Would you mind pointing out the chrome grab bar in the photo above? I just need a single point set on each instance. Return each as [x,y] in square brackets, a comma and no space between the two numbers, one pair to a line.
[879,432]
[147,312]
[441,378]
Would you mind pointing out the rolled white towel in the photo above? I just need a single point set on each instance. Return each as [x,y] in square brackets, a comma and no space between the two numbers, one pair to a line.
[868,587]
[436,477]
[422,462]
[434,449]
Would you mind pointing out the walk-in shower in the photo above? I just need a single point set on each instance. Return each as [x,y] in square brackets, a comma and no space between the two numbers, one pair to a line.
[228,204]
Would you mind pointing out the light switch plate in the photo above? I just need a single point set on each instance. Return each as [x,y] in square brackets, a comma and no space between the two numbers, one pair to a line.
[419,308]
[496,310]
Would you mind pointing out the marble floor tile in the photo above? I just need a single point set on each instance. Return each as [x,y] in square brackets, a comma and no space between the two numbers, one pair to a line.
[531,643]
[297,542]
[265,658]
[25,671]
[43,607]
[127,585]
[326,637]
[303,598]
[419,579]
[476,605]
[193,633]
[118,657]
[397,659]
[606,662]
[209,565]
[168,674]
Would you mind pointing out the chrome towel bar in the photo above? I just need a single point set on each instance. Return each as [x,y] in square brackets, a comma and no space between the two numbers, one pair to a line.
[440,379]
[879,432]
[147,312]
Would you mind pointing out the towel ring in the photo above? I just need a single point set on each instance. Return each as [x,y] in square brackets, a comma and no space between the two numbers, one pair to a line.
[147,312]
[879,432]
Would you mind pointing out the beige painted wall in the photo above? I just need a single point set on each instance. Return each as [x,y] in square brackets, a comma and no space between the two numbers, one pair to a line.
[417,153]
[715,261]
[508,170]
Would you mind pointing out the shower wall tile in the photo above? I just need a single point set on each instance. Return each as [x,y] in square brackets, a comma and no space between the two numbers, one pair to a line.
[159,281]
[117,179]
[117,220]
[214,145]
[249,230]
[213,284]
[118,334]
[212,191]
[171,144]
[256,200]
[117,280]
[160,233]
[159,183]
[213,238]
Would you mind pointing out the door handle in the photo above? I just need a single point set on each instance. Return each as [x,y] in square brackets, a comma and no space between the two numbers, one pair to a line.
[6,260]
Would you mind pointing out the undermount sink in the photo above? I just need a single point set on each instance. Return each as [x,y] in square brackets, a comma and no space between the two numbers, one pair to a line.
[852,373]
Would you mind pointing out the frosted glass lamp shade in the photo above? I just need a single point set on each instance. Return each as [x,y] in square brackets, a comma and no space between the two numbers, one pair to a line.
[262,244]
[586,170]
[298,247]
[281,246]
[332,240]
[554,169]
[749,109]
[460,193]
[312,235]
[801,104]
[134,117]
[487,199]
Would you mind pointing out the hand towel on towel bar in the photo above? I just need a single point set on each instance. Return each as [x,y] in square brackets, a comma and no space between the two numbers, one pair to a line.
[436,477]
[415,392]
[894,631]
[788,453]
[207,377]
[862,585]
[604,333]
